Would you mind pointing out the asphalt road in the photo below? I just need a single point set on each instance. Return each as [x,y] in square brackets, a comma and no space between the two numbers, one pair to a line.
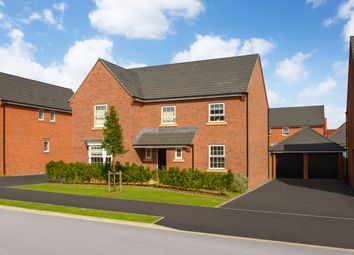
[35,234]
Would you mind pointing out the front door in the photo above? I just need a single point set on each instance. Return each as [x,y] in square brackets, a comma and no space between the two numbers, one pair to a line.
[161,158]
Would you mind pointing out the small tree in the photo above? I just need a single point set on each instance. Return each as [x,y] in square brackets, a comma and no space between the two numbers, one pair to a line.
[113,135]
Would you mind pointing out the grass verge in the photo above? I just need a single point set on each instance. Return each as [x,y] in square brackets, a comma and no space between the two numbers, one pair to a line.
[81,211]
[132,193]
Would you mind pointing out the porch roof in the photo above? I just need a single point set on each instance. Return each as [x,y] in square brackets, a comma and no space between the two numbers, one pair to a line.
[164,137]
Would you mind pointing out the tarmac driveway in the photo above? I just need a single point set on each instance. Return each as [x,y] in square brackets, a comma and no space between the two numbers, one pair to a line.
[323,198]
[22,180]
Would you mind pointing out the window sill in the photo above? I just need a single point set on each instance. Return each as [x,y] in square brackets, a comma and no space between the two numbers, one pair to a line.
[97,128]
[223,123]
[147,160]
[178,160]
[217,170]
[168,125]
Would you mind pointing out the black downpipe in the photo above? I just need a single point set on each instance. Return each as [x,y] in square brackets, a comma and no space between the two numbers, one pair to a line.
[247,140]
[3,139]
[192,156]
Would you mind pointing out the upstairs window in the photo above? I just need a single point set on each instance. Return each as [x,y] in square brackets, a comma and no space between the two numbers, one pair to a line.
[100,111]
[52,116]
[285,131]
[269,131]
[217,112]
[40,114]
[168,115]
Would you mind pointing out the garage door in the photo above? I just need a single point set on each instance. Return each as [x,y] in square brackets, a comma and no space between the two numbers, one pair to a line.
[289,165]
[323,166]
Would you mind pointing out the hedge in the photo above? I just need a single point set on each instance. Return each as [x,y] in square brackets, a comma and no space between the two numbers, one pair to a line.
[132,173]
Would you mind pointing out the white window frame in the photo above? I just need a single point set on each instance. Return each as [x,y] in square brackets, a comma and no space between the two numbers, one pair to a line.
[176,153]
[163,119]
[105,155]
[213,115]
[95,115]
[44,146]
[217,156]
[42,111]
[283,133]
[146,153]
[269,131]
[50,116]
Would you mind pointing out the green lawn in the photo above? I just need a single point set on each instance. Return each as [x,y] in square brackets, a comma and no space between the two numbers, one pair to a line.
[81,211]
[131,193]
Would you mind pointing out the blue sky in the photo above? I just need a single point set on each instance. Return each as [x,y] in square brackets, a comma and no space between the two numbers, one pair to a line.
[303,44]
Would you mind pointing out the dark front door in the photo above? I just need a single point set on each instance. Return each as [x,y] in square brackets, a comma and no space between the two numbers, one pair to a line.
[323,166]
[290,165]
[161,158]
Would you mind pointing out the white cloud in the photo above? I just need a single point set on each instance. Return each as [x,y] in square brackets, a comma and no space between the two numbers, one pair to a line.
[132,64]
[140,18]
[335,115]
[75,65]
[340,68]
[48,16]
[322,89]
[345,12]
[209,46]
[293,70]
[274,99]
[316,3]
[2,3]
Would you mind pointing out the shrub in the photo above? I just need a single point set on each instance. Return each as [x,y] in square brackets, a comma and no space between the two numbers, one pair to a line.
[132,173]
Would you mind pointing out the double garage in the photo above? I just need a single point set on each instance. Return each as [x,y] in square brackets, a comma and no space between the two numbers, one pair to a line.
[307,155]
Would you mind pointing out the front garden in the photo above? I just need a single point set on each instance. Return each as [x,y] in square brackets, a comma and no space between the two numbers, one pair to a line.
[189,187]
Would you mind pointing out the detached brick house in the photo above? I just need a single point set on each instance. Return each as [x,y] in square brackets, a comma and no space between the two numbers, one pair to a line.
[210,115]
[350,114]
[286,121]
[35,125]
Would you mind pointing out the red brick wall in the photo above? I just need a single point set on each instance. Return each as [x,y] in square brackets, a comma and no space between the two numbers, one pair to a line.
[100,87]
[350,120]
[258,129]
[24,140]
[1,147]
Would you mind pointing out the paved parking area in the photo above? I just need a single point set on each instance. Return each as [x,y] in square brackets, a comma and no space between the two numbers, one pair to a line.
[22,180]
[323,198]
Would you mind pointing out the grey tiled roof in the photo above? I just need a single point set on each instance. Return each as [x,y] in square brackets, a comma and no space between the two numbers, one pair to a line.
[340,135]
[296,116]
[15,89]
[307,140]
[221,76]
[165,137]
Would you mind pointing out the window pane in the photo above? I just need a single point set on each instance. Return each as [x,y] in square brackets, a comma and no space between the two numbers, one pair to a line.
[216,112]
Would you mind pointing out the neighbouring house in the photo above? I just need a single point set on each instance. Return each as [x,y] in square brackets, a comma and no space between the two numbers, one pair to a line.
[35,125]
[339,135]
[350,114]
[286,121]
[307,154]
[210,115]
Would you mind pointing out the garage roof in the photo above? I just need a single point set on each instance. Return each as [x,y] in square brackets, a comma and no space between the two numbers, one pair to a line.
[307,140]
[296,116]
[164,137]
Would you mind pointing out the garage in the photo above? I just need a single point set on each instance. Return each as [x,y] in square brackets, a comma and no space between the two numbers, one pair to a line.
[290,165]
[323,166]
[307,155]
